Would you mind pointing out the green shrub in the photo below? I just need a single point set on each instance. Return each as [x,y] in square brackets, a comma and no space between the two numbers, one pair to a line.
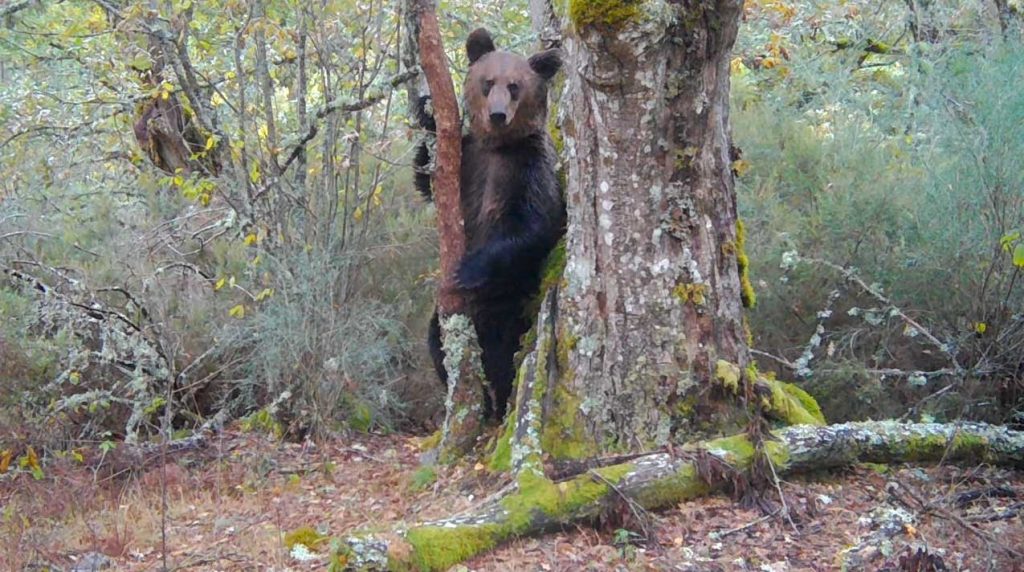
[913,179]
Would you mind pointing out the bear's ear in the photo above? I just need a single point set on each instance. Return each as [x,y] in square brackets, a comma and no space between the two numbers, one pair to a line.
[547,63]
[478,43]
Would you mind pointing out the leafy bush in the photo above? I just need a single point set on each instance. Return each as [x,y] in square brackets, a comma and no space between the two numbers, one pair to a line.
[905,167]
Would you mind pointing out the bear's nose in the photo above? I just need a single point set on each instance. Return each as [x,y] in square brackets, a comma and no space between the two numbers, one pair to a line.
[498,118]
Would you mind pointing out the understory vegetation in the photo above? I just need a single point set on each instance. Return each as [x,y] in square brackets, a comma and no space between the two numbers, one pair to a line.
[282,268]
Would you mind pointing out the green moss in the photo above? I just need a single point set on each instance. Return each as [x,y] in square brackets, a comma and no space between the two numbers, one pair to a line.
[806,402]
[686,406]
[431,441]
[439,547]
[263,421]
[305,535]
[551,275]
[747,294]
[876,467]
[696,293]
[563,435]
[608,14]
[423,478]
[791,404]
[501,458]
[738,448]
[934,447]
[748,334]
[787,402]
[558,501]
[683,485]
[359,416]
[728,375]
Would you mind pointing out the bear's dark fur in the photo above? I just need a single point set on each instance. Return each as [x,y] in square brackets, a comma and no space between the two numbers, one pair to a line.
[511,201]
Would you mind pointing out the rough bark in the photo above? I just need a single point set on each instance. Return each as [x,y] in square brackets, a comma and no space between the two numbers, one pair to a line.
[463,407]
[652,297]
[545,23]
[536,505]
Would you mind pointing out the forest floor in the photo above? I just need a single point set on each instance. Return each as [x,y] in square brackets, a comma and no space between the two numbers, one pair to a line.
[237,504]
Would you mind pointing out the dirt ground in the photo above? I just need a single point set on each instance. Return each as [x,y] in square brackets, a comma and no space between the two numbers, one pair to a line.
[244,502]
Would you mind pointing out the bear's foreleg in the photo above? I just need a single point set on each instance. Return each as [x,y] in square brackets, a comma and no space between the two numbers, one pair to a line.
[510,258]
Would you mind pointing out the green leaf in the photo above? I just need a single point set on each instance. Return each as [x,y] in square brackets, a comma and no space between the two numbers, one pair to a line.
[142,63]
[1018,256]
[1008,240]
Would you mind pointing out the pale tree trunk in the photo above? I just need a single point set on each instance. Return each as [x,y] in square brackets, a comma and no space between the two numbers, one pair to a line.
[652,294]
[648,342]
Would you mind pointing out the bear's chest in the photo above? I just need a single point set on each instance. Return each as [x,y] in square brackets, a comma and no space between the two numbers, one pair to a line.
[494,183]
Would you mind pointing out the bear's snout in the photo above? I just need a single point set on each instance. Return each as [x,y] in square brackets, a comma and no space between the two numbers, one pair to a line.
[498,118]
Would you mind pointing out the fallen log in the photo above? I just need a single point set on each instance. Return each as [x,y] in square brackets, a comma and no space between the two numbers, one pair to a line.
[537,505]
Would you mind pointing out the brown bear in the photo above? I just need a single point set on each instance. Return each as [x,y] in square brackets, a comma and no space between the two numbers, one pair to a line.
[511,202]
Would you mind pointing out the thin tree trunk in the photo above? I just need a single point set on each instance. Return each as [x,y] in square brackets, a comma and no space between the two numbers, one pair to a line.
[463,407]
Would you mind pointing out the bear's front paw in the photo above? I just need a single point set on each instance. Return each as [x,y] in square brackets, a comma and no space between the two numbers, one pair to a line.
[474,273]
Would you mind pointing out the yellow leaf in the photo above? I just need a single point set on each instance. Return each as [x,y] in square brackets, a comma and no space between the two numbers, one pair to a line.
[165,95]
[250,239]
[262,132]
[30,460]
[980,327]
[219,284]
[741,167]
[5,460]
[237,312]
[737,67]
[77,456]
[230,75]
[210,142]
[358,214]
[264,294]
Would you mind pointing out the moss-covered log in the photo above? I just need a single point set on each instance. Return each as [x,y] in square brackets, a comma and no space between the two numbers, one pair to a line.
[536,505]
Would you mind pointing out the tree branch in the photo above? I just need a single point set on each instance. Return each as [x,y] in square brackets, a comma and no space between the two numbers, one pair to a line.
[373,98]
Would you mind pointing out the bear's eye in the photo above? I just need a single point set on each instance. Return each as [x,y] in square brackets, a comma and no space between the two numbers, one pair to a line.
[487,87]
[513,90]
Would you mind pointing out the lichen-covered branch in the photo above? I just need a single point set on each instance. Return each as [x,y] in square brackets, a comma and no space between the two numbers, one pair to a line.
[537,504]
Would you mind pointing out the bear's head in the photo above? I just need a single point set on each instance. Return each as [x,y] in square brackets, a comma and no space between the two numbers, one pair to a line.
[506,94]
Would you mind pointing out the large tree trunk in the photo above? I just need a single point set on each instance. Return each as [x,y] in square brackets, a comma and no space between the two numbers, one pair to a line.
[652,296]
[647,340]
